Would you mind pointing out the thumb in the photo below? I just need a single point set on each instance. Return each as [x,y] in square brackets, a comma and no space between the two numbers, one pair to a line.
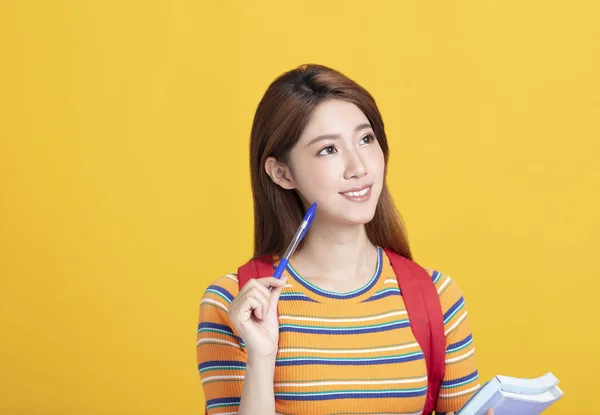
[275,293]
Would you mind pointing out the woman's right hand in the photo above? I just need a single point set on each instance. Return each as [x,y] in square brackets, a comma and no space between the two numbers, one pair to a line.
[253,313]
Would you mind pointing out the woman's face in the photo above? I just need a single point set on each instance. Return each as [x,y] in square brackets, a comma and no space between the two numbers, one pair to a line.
[338,153]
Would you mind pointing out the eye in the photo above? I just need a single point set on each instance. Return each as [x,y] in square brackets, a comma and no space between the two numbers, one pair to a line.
[369,137]
[327,150]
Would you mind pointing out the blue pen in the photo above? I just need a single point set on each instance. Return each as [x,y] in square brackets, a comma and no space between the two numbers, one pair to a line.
[306,221]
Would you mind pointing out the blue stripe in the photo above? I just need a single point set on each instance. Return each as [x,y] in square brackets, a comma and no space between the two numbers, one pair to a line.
[209,325]
[295,361]
[453,309]
[349,330]
[221,401]
[454,382]
[353,395]
[382,294]
[435,276]
[221,290]
[295,297]
[459,345]
[219,363]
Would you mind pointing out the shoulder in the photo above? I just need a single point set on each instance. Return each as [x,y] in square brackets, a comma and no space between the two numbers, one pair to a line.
[216,333]
[221,291]
[214,307]
[449,291]
[451,297]
[446,286]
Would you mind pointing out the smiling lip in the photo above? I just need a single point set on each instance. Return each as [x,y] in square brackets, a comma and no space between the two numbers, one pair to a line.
[361,198]
[356,189]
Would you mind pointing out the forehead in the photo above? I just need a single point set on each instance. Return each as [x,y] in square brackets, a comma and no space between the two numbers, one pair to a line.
[334,117]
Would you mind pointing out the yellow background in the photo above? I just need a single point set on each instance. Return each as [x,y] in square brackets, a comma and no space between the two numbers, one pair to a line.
[124,187]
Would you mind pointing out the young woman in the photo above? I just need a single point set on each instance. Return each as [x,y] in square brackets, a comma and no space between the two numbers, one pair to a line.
[332,336]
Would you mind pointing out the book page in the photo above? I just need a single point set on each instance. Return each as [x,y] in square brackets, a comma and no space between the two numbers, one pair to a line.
[510,407]
[522,385]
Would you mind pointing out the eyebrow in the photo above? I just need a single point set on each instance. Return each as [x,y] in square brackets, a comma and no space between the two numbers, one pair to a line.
[336,136]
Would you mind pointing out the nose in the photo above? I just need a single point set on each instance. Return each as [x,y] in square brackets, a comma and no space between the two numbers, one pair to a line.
[355,166]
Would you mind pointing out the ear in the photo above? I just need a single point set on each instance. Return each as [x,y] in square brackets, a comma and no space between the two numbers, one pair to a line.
[280,173]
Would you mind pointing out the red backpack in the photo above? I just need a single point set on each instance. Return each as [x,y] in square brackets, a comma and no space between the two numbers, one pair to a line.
[422,305]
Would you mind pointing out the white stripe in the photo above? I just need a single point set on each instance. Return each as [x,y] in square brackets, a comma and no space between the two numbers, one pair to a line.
[452,327]
[459,358]
[227,413]
[380,349]
[372,382]
[343,320]
[391,281]
[392,413]
[396,413]
[449,395]
[206,340]
[231,277]
[401,413]
[222,377]
[444,285]
[211,301]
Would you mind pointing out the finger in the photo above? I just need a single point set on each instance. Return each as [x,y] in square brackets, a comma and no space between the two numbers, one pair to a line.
[279,282]
[253,283]
[272,281]
[255,289]
[254,305]
[262,296]
[244,308]
[490,412]
[264,302]
[275,294]
[265,284]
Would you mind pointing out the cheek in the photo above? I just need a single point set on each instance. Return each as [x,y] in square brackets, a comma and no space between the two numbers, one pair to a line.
[381,163]
[314,179]
[377,162]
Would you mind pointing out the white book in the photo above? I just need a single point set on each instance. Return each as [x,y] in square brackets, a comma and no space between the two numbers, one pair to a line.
[514,396]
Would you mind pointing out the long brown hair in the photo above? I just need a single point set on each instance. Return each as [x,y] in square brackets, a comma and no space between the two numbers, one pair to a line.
[280,118]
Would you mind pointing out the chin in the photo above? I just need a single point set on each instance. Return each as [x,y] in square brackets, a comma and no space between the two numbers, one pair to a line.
[348,213]
[358,218]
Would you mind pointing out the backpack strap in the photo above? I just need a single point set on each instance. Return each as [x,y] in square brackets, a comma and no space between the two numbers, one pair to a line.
[255,268]
[426,320]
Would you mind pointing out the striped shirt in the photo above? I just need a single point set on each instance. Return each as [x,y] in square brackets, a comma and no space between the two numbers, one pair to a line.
[339,353]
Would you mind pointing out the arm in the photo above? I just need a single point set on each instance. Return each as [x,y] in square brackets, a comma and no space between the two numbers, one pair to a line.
[220,353]
[234,380]
[258,396]
[461,377]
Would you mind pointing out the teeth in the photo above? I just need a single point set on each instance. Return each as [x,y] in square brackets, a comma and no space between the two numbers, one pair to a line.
[356,194]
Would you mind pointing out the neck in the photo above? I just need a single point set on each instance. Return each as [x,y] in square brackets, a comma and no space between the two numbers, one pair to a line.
[336,253]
